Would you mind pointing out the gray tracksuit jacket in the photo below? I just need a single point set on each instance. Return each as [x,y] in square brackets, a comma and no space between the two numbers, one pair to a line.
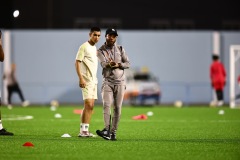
[118,55]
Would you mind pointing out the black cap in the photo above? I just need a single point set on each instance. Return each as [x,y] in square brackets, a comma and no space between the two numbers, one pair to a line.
[111,31]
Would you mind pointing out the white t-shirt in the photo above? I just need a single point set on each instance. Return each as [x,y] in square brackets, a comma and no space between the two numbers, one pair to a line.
[87,54]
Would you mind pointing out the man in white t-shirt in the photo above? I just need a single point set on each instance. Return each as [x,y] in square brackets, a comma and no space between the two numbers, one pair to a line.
[86,67]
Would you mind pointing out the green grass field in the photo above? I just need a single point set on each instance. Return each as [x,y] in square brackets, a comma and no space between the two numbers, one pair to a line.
[188,133]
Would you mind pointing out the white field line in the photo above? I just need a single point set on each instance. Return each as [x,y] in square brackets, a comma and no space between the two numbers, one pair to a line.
[16,117]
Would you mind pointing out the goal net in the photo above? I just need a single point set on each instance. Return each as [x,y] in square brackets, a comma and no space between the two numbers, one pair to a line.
[234,76]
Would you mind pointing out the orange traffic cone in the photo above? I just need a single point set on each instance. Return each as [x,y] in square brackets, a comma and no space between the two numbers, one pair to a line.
[28,144]
[140,117]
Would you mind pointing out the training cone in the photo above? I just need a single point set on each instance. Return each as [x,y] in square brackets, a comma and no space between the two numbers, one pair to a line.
[28,144]
[66,135]
[140,117]
[58,115]
[77,111]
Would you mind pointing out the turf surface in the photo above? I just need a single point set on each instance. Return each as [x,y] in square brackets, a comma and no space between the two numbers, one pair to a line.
[171,133]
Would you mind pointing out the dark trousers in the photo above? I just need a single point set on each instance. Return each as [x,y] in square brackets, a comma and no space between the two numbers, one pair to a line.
[219,95]
[14,88]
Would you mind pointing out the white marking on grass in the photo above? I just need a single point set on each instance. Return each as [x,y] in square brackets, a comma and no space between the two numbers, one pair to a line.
[17,117]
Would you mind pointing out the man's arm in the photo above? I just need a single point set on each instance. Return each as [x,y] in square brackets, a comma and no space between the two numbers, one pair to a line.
[1,49]
[82,82]
[102,60]
[125,61]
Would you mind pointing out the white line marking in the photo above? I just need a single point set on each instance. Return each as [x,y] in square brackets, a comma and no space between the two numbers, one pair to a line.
[17,117]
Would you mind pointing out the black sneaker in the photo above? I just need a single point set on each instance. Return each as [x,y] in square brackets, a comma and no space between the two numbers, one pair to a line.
[3,132]
[104,134]
[113,136]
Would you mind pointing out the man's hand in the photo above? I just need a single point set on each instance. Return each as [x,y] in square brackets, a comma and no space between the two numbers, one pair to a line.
[82,83]
[113,65]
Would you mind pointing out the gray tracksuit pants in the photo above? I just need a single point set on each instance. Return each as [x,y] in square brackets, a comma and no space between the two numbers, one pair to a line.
[112,95]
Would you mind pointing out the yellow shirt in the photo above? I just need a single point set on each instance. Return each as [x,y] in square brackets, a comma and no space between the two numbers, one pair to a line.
[87,54]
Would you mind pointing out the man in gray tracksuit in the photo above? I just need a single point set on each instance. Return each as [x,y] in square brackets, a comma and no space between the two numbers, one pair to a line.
[114,60]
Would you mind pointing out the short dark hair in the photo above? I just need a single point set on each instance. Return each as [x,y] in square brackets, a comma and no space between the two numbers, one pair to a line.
[215,57]
[95,29]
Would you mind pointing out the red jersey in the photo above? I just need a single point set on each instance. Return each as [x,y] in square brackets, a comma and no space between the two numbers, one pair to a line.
[218,75]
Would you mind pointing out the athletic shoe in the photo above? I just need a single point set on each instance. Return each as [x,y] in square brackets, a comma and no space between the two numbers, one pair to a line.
[4,132]
[86,134]
[104,134]
[9,106]
[113,136]
[220,103]
[213,104]
[25,103]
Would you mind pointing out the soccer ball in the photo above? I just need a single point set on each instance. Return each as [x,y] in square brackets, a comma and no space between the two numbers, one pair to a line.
[54,103]
[150,113]
[178,104]
[221,112]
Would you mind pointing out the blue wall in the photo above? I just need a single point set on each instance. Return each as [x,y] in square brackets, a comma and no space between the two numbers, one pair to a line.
[180,59]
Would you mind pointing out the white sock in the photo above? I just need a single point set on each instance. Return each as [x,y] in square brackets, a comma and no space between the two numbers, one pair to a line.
[1,126]
[84,127]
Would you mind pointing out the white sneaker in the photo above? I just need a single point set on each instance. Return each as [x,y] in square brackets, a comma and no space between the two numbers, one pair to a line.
[86,134]
[213,104]
[9,106]
[220,103]
[25,103]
